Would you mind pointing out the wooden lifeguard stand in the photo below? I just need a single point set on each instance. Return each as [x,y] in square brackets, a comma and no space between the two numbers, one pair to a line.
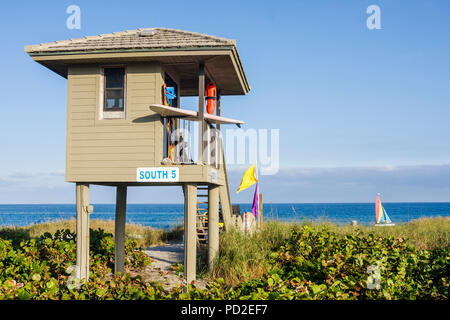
[117,123]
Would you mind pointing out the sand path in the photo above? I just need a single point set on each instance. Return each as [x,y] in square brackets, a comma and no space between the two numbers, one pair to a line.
[163,257]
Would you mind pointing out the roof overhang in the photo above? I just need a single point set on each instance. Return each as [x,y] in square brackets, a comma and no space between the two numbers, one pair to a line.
[222,64]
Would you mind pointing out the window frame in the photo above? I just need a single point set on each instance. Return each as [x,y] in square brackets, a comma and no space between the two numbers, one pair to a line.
[118,113]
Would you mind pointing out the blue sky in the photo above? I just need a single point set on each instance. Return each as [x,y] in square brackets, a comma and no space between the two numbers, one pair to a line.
[351,103]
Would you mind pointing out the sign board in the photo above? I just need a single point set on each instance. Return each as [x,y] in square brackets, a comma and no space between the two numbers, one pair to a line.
[158,174]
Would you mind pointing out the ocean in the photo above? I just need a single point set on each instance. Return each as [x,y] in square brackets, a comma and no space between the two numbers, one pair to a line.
[165,216]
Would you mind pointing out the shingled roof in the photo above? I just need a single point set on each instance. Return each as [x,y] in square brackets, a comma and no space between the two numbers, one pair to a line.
[150,38]
[176,50]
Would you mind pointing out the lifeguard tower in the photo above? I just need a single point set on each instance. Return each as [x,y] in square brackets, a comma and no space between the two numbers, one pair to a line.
[123,112]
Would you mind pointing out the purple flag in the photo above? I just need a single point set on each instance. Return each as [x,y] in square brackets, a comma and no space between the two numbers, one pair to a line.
[255,202]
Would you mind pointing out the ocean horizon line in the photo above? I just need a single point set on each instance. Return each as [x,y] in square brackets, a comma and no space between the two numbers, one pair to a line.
[234,203]
[163,215]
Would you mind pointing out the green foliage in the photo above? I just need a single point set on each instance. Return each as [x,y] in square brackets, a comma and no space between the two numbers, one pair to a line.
[37,269]
[144,235]
[319,264]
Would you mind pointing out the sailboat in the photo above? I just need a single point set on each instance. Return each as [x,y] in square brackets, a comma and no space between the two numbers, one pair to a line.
[382,218]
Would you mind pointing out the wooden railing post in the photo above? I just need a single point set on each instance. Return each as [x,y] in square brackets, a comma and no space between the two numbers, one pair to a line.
[201,109]
[218,108]
[218,134]
[260,211]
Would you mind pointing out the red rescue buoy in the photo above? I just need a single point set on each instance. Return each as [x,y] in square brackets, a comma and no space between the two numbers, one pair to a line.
[211,97]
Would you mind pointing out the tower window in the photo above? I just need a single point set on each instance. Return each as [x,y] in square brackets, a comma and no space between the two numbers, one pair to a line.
[114,89]
[114,93]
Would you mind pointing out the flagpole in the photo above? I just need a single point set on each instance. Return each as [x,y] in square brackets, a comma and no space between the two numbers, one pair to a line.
[259,191]
[260,207]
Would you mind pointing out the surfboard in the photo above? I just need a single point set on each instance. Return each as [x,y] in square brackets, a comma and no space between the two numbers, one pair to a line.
[221,120]
[166,111]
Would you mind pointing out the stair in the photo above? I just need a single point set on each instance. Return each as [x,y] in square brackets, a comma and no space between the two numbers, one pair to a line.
[225,209]
[202,216]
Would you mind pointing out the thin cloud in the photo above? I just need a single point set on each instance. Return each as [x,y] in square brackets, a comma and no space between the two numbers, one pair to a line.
[341,184]
[20,179]
[354,184]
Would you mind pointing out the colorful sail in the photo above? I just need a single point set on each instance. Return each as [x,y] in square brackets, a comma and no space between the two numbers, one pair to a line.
[380,213]
[378,209]
[385,218]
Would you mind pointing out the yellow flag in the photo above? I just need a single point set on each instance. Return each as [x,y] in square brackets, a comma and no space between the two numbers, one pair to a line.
[248,179]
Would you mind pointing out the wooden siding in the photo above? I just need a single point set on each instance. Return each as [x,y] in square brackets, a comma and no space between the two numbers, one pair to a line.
[111,150]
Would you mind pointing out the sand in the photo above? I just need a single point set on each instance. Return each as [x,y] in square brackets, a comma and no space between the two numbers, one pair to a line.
[163,257]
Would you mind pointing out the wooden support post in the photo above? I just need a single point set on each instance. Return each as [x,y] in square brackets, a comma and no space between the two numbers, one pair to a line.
[260,212]
[213,224]
[121,211]
[190,231]
[83,210]
[201,111]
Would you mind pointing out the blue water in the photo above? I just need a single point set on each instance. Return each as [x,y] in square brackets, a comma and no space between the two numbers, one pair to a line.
[168,215]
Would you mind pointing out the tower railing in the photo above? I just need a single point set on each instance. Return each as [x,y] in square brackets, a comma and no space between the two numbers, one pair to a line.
[185,143]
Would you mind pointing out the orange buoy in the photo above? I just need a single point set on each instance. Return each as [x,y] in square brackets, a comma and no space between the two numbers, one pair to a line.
[211,97]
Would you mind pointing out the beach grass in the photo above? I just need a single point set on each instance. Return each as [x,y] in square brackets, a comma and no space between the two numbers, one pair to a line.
[144,235]
[423,233]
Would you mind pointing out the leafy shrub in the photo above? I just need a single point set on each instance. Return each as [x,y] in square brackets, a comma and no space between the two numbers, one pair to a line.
[317,264]
[37,269]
